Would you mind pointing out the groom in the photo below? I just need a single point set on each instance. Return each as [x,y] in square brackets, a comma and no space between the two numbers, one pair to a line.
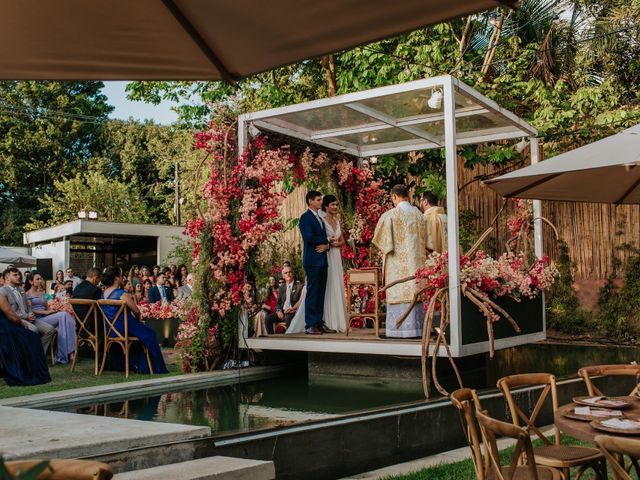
[314,261]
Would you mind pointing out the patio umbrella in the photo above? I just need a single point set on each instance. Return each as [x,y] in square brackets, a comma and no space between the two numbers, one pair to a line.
[197,39]
[606,171]
[16,259]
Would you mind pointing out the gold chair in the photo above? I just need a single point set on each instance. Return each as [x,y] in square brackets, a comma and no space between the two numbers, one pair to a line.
[466,401]
[112,335]
[64,469]
[614,448]
[84,332]
[555,455]
[369,277]
[531,471]
[52,348]
[605,371]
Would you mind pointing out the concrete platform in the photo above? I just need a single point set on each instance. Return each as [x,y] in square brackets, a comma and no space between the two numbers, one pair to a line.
[30,433]
[211,468]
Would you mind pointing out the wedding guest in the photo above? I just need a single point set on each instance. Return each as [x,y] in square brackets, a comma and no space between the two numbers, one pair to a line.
[68,287]
[22,358]
[112,279]
[160,292]
[144,273]
[138,293]
[147,286]
[134,275]
[181,276]
[127,286]
[63,322]
[87,290]
[287,302]
[60,291]
[186,290]
[19,303]
[155,270]
[70,275]
[59,279]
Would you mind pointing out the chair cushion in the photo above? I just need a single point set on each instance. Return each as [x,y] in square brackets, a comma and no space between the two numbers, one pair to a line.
[552,454]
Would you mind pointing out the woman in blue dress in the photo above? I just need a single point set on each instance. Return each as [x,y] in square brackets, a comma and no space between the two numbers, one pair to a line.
[64,322]
[22,360]
[112,279]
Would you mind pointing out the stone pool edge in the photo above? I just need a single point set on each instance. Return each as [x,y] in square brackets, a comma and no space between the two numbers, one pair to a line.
[151,386]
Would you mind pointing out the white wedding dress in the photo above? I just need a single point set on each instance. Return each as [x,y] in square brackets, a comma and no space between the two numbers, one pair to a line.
[335,311]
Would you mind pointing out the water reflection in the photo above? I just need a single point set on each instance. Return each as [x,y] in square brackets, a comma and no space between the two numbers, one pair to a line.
[284,401]
[261,404]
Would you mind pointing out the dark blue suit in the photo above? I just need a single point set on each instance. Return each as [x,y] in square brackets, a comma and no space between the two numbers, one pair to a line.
[315,266]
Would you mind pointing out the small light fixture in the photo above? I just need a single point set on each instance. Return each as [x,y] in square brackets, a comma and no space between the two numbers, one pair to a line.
[373,160]
[254,131]
[435,102]
[521,145]
[93,215]
[82,214]
[365,139]
[373,138]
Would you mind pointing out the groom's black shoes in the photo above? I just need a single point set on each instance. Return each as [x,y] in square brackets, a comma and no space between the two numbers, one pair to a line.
[313,331]
[325,329]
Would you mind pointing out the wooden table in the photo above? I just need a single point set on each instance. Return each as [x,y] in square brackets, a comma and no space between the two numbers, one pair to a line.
[582,430]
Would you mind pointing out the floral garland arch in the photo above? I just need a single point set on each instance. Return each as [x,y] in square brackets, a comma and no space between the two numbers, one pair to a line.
[243,196]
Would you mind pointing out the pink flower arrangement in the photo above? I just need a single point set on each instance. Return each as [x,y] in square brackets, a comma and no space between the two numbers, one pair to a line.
[507,275]
[180,308]
[60,304]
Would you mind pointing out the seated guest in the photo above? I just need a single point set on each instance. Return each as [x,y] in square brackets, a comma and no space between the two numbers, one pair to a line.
[112,279]
[58,280]
[155,270]
[64,322]
[186,290]
[87,290]
[147,286]
[181,276]
[22,360]
[268,307]
[68,287]
[288,296]
[75,280]
[160,292]
[19,303]
[138,294]
[134,276]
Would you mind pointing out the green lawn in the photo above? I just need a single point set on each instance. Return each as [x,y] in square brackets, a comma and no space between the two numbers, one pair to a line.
[464,470]
[63,379]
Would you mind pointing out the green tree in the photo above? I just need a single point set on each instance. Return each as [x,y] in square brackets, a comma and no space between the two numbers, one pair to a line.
[48,130]
[144,156]
[114,201]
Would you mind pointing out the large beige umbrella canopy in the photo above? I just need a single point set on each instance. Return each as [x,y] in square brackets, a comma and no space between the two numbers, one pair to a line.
[197,39]
[606,171]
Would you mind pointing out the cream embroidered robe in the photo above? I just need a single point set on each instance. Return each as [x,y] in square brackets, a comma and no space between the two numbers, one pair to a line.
[400,234]
[436,225]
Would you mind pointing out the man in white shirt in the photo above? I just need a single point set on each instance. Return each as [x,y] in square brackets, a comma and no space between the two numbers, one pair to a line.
[69,275]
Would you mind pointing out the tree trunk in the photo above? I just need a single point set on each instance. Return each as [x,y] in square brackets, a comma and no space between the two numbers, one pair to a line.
[329,67]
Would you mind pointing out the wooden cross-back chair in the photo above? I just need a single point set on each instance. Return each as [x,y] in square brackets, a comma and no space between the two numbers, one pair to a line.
[466,401]
[555,455]
[531,471]
[614,448]
[87,329]
[112,335]
[605,371]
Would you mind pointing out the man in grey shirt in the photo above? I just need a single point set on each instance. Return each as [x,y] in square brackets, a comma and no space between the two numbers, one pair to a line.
[20,305]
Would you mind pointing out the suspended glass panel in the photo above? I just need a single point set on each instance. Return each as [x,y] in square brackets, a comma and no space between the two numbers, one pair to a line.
[387,135]
[404,104]
[324,118]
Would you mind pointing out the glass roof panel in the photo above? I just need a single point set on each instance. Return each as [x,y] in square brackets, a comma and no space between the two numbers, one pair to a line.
[404,104]
[330,117]
[387,135]
[484,121]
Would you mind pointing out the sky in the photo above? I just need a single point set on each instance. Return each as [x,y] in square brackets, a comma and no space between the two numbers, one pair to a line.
[124,108]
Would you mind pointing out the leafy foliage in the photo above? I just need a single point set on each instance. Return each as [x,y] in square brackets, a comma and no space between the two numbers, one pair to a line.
[113,200]
[563,310]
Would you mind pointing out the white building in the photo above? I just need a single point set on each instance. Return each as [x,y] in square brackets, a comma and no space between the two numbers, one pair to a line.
[82,244]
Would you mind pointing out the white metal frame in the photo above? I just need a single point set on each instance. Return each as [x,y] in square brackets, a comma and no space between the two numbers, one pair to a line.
[516,128]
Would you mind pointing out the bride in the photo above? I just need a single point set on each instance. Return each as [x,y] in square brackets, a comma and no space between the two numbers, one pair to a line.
[335,312]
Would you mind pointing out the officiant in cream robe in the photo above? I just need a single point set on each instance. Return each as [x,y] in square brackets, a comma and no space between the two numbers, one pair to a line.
[436,223]
[400,235]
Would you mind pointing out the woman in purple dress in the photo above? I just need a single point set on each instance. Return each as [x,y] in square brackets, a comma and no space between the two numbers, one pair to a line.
[63,321]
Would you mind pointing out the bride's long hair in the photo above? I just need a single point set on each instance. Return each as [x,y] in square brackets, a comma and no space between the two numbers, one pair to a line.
[328,200]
